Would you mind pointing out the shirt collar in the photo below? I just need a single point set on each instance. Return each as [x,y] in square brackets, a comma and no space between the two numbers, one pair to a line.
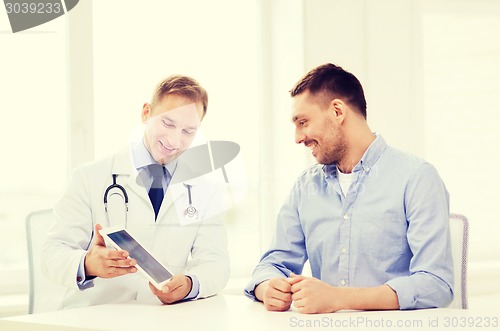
[372,154]
[142,158]
[368,160]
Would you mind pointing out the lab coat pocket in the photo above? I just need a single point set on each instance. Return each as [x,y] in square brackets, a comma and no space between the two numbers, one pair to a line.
[173,246]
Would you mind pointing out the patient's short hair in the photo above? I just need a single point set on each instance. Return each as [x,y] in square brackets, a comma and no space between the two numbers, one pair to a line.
[328,82]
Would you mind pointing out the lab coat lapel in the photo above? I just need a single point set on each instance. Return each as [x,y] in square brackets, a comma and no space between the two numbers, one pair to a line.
[173,193]
[176,188]
[123,166]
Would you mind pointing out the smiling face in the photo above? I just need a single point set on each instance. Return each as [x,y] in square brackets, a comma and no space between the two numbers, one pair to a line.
[317,126]
[170,126]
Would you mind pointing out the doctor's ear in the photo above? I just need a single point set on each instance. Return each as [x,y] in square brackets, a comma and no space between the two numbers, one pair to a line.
[146,112]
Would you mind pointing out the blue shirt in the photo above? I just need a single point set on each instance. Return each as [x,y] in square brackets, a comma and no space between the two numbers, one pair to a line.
[142,158]
[392,227]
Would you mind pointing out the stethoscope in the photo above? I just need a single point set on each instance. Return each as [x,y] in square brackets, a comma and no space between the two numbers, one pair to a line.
[190,213]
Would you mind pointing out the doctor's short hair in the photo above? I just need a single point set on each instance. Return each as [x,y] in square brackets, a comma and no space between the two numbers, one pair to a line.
[184,86]
[328,82]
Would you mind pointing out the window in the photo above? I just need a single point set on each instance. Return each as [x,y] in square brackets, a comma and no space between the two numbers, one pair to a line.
[33,133]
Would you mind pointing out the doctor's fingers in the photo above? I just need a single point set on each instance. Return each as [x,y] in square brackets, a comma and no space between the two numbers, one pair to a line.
[176,282]
[111,272]
[121,263]
[113,254]
[155,291]
[171,296]
[98,239]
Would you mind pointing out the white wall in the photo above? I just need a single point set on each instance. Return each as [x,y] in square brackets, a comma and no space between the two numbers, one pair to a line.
[377,41]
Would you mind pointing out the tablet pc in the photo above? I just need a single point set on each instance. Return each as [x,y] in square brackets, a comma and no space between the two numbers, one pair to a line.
[150,267]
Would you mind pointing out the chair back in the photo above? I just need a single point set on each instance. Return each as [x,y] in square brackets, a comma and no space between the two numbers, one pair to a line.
[43,295]
[459,230]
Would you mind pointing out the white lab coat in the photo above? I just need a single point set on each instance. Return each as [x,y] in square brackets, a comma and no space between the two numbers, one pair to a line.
[198,248]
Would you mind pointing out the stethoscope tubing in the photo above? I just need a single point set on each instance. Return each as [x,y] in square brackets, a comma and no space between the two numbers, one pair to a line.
[190,212]
[112,186]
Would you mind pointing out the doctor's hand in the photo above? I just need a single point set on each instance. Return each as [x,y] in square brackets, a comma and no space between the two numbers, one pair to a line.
[276,294]
[106,263]
[175,290]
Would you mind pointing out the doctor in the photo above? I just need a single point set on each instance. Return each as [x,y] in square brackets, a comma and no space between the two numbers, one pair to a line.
[195,250]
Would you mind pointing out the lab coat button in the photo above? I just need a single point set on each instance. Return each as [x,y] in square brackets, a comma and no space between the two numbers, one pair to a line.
[346,217]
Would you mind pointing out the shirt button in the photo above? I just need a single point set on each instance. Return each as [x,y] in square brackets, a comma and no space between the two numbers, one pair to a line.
[344,250]
[346,217]
[367,169]
[343,282]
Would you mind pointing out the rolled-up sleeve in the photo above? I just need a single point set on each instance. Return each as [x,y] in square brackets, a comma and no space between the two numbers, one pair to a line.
[430,283]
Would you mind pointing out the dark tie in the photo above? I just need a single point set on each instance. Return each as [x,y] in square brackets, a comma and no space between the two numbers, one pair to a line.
[156,190]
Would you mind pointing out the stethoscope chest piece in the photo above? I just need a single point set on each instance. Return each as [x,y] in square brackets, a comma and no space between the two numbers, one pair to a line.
[190,213]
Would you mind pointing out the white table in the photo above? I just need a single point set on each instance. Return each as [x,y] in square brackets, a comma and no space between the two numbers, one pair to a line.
[236,312]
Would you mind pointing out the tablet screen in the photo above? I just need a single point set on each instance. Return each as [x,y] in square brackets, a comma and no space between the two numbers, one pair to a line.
[147,262]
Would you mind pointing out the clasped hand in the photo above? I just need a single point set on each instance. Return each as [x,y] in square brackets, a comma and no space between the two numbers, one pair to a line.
[309,295]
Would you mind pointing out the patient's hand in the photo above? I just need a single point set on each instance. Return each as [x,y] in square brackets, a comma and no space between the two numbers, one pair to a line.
[312,296]
[275,293]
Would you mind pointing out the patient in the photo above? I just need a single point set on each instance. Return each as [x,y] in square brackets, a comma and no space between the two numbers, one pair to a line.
[372,221]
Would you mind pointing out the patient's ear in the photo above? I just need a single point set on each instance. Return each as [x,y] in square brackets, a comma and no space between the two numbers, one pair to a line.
[338,110]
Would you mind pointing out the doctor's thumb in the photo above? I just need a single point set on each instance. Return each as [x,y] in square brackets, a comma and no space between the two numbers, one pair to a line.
[98,238]
[165,289]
